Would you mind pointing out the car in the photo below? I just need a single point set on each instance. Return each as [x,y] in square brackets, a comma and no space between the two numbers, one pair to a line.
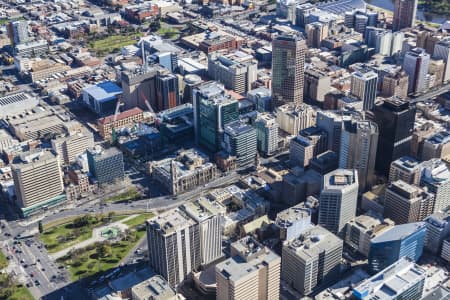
[29,284]
[43,269]
[37,283]
[38,260]
[31,275]
[25,266]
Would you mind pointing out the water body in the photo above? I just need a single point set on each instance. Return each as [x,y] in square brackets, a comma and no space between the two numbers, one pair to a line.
[421,14]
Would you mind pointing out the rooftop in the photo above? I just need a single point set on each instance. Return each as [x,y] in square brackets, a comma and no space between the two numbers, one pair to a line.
[103,91]
[171,221]
[390,282]
[399,232]
[289,216]
[312,242]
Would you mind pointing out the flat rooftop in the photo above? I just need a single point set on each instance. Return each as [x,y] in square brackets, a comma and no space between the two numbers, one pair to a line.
[171,221]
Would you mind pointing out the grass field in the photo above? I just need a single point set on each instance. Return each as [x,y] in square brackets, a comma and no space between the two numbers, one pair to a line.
[129,195]
[3,261]
[16,293]
[113,43]
[138,220]
[167,32]
[66,235]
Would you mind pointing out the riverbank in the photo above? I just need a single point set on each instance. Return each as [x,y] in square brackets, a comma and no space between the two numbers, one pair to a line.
[389,15]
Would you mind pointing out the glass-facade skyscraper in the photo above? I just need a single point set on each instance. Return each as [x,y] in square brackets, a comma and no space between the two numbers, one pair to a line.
[395,243]
[395,120]
[213,109]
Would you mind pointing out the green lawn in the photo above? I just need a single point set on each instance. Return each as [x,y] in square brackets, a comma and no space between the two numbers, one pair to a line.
[87,262]
[66,235]
[113,43]
[138,220]
[130,195]
[16,293]
[167,32]
[3,261]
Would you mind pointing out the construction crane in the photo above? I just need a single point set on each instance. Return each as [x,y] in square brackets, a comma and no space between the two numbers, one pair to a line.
[113,129]
[150,109]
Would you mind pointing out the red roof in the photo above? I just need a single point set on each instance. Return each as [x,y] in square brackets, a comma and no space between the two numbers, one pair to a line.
[128,113]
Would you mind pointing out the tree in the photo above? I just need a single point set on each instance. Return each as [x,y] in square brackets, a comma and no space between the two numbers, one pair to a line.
[40,227]
[104,250]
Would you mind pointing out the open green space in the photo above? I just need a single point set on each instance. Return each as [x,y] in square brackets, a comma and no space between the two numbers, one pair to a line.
[113,43]
[100,257]
[138,220]
[10,290]
[167,32]
[130,195]
[79,229]
[16,293]
[3,261]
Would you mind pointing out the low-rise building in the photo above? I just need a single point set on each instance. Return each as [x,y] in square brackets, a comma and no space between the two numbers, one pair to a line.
[188,170]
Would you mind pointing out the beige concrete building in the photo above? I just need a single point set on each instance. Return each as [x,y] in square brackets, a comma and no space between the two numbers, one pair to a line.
[316,32]
[406,169]
[292,118]
[405,203]
[317,85]
[37,181]
[251,273]
[308,144]
[75,142]
[395,84]
[312,259]
[362,229]
[188,170]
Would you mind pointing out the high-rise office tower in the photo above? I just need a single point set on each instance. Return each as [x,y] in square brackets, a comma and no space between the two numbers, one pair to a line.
[405,203]
[395,119]
[236,70]
[37,181]
[240,140]
[315,33]
[267,133]
[442,51]
[338,199]
[311,259]
[436,177]
[167,91]
[438,228]
[360,22]
[395,85]
[18,32]
[208,214]
[383,42]
[358,150]
[213,109]
[406,169]
[308,144]
[173,245]
[288,64]
[191,81]
[415,64]
[139,86]
[252,272]
[331,123]
[364,86]
[404,14]
[106,164]
[397,42]
[383,285]
[399,241]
